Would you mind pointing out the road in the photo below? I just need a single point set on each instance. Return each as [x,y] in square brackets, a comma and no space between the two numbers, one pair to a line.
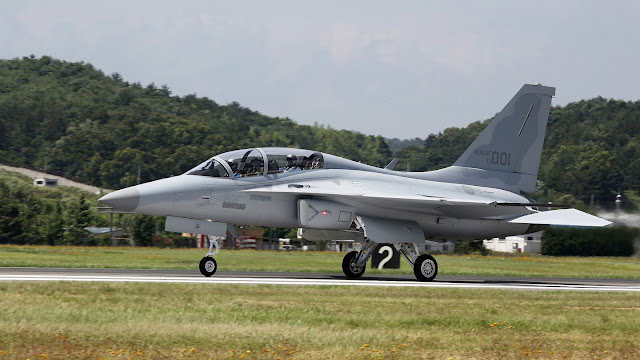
[61,181]
[309,279]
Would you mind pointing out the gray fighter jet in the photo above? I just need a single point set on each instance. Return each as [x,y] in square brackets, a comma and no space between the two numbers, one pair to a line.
[328,197]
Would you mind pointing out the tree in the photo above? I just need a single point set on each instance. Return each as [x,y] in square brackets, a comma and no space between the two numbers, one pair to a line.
[142,228]
[53,227]
[10,221]
[78,216]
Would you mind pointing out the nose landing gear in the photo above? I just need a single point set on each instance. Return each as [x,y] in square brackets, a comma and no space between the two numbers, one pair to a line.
[208,264]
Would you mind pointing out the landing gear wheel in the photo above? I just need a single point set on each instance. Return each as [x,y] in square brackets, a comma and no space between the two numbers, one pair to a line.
[349,266]
[425,268]
[208,266]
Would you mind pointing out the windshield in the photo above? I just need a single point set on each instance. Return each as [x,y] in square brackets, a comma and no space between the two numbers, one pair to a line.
[211,168]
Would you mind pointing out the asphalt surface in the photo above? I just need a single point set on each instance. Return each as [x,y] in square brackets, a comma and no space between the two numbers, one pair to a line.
[309,279]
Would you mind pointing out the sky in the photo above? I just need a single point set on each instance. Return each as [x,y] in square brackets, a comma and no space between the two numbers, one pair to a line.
[400,69]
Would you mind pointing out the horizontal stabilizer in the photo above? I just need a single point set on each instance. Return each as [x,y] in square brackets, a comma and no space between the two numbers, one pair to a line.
[566,217]
[547,205]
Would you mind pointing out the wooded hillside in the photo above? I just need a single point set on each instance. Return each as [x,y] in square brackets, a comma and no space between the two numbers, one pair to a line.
[101,129]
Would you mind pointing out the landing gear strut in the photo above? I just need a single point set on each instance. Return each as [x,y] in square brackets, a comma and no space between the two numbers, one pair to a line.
[208,265]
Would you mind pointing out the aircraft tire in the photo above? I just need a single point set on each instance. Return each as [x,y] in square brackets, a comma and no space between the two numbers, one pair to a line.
[208,266]
[425,268]
[348,266]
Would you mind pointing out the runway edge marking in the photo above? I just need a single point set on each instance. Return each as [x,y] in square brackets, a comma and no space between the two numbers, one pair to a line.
[311,282]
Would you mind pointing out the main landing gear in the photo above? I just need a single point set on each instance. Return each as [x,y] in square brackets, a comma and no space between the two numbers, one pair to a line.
[355,262]
[425,267]
[208,265]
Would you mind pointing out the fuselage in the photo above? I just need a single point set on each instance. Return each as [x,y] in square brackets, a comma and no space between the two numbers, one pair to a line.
[266,200]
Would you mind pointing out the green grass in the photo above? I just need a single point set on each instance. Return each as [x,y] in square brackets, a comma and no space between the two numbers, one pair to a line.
[297,261]
[165,321]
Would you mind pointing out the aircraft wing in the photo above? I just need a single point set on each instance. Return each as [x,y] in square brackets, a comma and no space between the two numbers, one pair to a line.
[517,213]
[567,217]
[354,193]
[416,203]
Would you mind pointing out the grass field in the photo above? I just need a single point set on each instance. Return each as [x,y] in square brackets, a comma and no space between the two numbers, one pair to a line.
[326,262]
[63,320]
[69,320]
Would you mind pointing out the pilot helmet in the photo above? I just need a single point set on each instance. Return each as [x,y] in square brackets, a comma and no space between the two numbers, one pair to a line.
[291,158]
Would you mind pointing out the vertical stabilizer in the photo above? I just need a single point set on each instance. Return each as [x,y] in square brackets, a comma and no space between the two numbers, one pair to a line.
[506,154]
[513,140]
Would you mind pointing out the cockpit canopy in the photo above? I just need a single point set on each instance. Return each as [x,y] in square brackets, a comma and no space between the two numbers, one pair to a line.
[251,162]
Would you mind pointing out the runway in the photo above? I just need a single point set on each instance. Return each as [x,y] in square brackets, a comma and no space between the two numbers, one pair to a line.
[312,279]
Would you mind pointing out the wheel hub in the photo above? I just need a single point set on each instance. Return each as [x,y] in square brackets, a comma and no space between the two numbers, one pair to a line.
[354,267]
[427,268]
[209,266]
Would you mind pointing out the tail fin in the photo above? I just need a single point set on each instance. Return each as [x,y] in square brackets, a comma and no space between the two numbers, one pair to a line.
[507,153]
[513,140]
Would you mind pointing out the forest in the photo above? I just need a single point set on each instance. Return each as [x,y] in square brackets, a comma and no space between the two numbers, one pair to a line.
[99,129]
[75,121]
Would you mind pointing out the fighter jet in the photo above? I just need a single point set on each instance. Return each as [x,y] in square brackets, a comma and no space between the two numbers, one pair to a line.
[328,197]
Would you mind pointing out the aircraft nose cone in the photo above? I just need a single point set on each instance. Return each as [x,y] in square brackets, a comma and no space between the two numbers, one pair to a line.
[125,199]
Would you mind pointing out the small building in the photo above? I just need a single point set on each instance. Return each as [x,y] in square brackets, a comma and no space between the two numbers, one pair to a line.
[247,238]
[48,182]
[246,242]
[116,232]
[336,245]
[250,238]
[530,243]
[438,247]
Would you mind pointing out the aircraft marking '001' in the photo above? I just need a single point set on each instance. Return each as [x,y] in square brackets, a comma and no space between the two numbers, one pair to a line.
[331,198]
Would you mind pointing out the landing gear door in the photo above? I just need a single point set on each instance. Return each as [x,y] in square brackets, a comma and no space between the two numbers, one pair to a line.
[391,231]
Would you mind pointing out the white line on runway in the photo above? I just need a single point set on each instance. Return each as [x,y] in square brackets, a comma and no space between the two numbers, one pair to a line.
[308,282]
